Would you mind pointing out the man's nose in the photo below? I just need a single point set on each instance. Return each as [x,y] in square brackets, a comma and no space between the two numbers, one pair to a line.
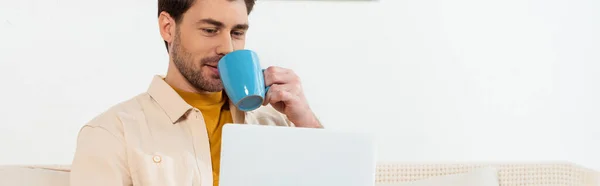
[225,44]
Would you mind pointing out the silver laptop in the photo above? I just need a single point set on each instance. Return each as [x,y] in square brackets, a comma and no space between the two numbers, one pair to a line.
[256,155]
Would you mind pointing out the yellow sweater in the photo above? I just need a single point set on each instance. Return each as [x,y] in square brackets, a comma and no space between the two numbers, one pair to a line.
[214,110]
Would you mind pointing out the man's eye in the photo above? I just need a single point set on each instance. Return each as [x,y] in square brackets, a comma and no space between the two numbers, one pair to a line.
[239,33]
[210,30]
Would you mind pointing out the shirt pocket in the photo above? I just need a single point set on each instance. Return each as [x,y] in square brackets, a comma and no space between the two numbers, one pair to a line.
[162,169]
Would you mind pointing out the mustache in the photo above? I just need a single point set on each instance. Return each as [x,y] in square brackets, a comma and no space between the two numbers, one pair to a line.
[211,60]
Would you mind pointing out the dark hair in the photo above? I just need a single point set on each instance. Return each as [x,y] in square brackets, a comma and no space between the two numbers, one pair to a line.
[176,8]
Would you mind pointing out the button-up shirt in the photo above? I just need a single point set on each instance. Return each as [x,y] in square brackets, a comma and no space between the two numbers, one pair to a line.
[154,138]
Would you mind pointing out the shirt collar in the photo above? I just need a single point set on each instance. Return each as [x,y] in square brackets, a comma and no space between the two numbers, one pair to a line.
[174,106]
[170,102]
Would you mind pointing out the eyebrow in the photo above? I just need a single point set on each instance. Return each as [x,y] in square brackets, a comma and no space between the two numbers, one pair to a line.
[241,27]
[221,24]
[211,21]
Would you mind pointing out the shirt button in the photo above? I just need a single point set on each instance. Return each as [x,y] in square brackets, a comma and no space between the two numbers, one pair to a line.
[156,159]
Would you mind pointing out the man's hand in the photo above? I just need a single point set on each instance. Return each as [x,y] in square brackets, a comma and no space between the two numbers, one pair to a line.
[287,97]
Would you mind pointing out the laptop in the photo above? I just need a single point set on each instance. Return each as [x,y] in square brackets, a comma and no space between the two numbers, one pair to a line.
[258,155]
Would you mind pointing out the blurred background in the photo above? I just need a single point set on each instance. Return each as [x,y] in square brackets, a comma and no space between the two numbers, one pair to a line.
[433,80]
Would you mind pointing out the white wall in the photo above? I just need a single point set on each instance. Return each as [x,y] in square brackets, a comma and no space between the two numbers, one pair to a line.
[461,80]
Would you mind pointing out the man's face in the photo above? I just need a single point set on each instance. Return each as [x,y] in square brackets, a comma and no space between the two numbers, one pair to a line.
[208,30]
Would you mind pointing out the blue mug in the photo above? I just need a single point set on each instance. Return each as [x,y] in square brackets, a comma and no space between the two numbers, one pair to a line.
[243,79]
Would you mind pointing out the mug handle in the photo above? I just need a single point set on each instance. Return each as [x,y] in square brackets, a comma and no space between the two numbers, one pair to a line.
[266,87]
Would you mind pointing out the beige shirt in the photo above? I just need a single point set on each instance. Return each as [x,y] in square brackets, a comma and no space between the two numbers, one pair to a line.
[155,138]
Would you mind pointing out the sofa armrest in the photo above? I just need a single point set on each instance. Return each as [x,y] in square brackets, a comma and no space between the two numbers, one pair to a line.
[35,176]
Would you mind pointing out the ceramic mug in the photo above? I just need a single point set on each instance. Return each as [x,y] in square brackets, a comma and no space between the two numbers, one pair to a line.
[243,79]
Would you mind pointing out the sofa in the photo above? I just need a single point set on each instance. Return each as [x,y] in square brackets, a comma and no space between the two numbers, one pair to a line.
[506,174]
[387,174]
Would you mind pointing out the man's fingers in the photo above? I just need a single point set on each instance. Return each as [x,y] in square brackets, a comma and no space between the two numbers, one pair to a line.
[280,96]
[278,93]
[278,75]
[269,93]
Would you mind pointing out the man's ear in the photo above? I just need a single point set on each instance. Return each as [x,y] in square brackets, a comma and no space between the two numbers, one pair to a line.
[166,26]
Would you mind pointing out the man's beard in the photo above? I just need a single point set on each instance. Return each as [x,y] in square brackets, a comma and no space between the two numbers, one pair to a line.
[193,73]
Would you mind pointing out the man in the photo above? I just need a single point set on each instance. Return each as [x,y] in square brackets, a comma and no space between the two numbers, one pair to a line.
[170,135]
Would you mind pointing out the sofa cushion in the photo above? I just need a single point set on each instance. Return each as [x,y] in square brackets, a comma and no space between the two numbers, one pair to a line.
[26,176]
[479,177]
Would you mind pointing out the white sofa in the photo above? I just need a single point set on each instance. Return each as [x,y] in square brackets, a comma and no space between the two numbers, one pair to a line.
[388,174]
[508,174]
